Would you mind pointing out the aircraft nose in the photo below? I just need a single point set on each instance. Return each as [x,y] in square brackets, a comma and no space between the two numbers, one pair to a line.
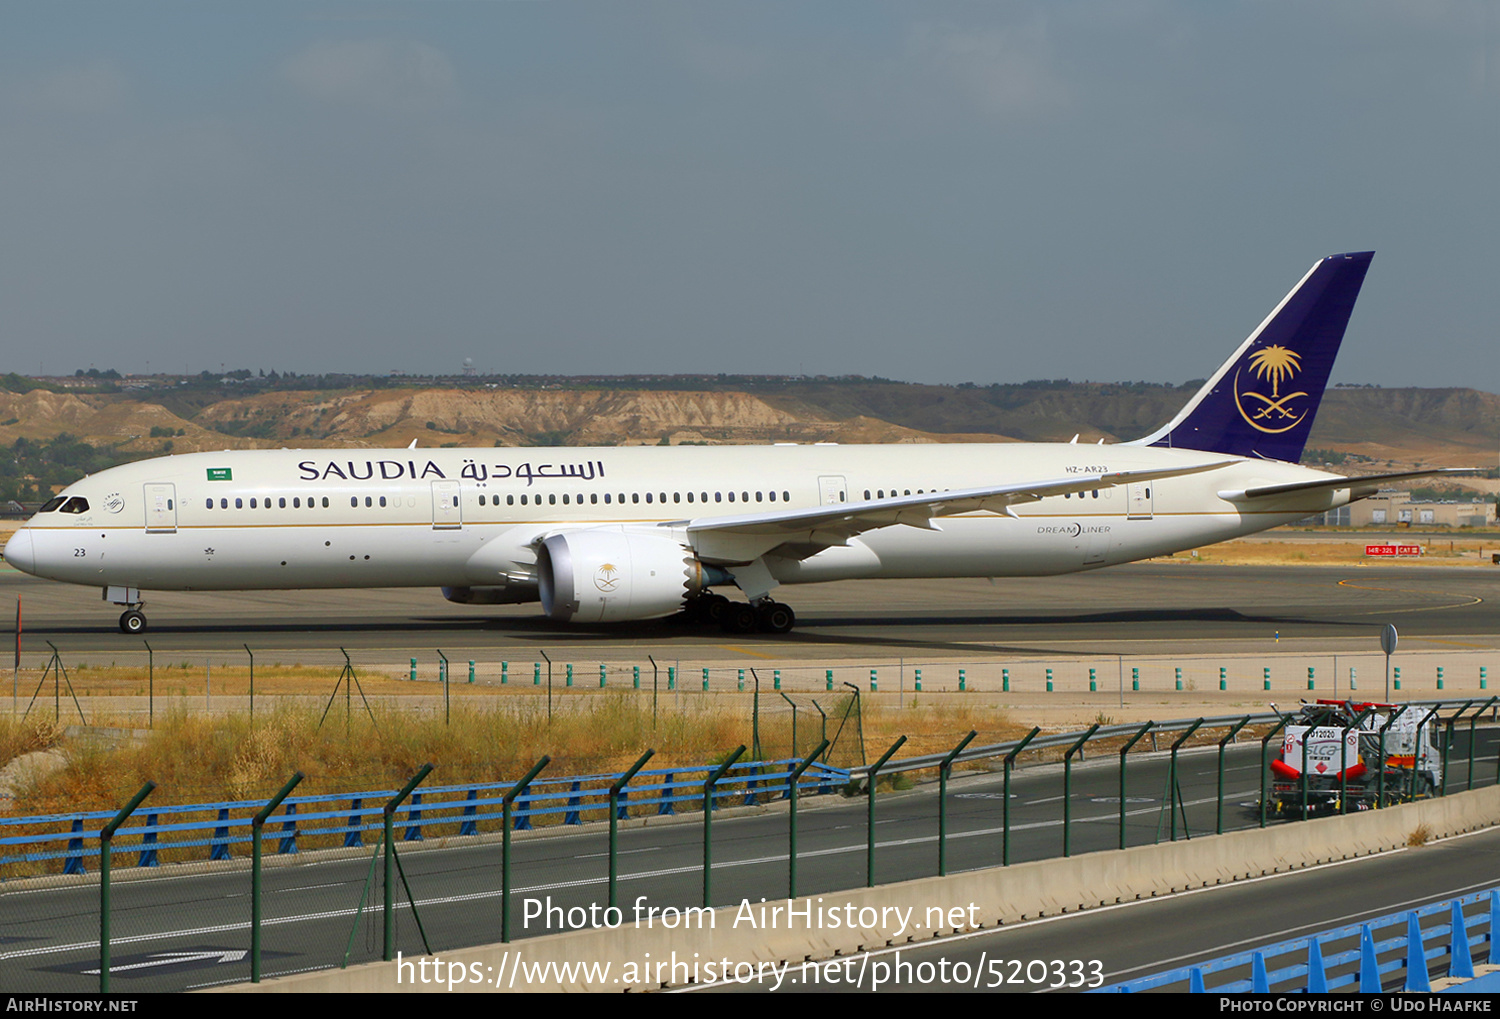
[19,551]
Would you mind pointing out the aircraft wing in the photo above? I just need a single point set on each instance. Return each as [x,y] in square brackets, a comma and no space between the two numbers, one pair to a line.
[1359,487]
[805,532]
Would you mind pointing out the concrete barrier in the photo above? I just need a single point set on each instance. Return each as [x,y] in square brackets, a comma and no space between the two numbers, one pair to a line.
[643,957]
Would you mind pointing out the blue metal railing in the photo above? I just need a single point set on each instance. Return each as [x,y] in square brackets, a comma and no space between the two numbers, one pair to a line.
[347,816]
[1318,964]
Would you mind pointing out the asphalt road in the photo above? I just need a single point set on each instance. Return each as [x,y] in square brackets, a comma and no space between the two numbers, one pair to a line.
[1146,608]
[187,926]
[1100,947]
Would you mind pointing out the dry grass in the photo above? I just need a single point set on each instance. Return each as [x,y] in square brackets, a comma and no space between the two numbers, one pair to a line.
[1420,836]
[198,757]
[1441,549]
[19,737]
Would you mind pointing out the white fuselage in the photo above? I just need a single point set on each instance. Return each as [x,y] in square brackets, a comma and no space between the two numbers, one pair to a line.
[458,518]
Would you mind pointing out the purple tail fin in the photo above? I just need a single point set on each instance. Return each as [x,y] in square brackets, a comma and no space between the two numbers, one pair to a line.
[1262,401]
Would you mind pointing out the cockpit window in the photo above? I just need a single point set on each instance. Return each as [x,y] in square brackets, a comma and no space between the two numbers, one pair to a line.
[77,504]
[52,504]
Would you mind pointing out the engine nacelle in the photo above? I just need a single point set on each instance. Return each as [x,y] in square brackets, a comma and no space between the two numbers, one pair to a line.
[604,576]
[511,594]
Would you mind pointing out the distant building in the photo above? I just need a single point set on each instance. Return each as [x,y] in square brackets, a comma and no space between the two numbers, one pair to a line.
[1399,508]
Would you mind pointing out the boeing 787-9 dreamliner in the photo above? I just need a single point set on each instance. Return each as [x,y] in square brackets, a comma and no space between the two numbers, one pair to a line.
[635,533]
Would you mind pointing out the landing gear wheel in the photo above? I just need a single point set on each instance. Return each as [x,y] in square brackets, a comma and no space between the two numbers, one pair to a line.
[132,621]
[706,608]
[714,606]
[774,617]
[738,617]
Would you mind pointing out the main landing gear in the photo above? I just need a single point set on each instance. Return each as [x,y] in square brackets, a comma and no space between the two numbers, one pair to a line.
[766,616]
[132,621]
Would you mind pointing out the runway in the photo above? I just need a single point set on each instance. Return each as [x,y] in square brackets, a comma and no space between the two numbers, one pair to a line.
[1149,608]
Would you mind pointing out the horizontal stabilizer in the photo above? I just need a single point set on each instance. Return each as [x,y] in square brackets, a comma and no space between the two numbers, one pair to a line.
[1360,487]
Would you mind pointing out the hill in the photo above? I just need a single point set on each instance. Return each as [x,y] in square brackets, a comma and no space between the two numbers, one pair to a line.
[1357,427]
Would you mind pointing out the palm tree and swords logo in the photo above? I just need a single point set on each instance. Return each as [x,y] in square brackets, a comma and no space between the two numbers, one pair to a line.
[1274,364]
[607,578]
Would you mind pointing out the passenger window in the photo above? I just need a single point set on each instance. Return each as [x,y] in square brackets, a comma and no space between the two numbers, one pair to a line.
[731,497]
[209,503]
[239,503]
[606,498]
[510,500]
[551,500]
[382,501]
[296,502]
[281,502]
[773,496]
[367,502]
[676,497]
[565,499]
[223,504]
[648,496]
[325,502]
[718,497]
[354,501]
[635,497]
[593,498]
[757,497]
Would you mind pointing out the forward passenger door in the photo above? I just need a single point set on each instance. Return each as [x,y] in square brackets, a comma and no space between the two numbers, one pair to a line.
[161,508]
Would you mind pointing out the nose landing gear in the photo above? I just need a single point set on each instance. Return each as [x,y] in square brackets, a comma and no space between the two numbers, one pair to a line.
[132,620]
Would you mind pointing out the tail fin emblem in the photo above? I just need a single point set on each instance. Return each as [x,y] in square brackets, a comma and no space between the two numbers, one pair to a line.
[1273,363]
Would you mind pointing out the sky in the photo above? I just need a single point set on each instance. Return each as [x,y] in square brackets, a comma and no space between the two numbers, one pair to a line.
[925,191]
